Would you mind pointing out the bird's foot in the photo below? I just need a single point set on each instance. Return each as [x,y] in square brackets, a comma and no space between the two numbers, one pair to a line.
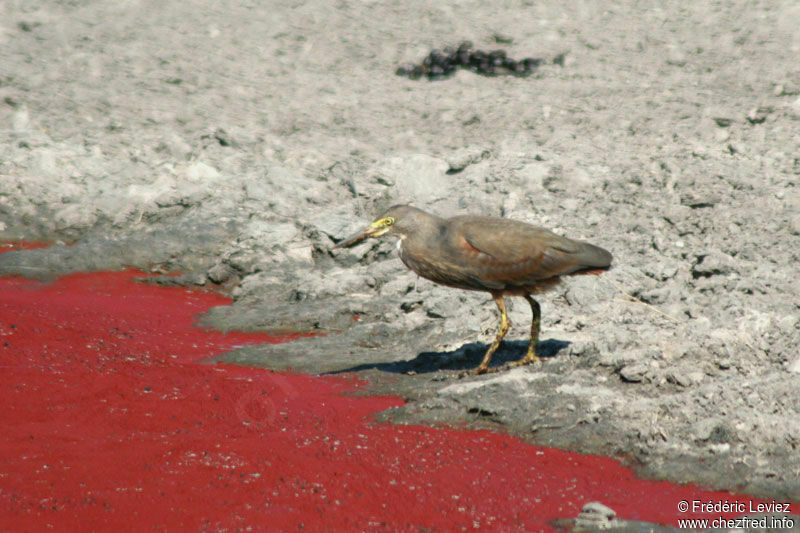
[477,372]
[528,359]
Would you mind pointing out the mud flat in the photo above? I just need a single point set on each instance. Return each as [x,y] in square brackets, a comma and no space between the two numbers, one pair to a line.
[237,144]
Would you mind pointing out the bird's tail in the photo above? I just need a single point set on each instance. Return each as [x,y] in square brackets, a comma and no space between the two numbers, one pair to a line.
[592,257]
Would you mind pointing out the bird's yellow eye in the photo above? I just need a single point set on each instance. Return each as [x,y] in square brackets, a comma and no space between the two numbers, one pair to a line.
[389,221]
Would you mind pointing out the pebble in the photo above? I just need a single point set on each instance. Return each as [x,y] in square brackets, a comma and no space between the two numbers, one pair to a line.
[757,115]
[685,379]
[595,516]
[633,373]
[714,263]
[461,159]
[219,273]
[794,225]
[199,172]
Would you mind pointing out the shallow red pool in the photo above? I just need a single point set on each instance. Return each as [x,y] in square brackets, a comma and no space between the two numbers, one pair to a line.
[110,422]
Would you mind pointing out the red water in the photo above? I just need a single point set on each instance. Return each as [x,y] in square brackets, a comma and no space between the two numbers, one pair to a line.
[109,423]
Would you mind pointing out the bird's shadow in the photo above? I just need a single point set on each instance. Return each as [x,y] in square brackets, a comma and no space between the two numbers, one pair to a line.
[466,357]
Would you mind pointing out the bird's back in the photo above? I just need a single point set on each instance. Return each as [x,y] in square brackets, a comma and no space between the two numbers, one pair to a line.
[485,253]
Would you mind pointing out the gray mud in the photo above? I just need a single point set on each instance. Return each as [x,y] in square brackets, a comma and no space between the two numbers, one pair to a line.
[238,144]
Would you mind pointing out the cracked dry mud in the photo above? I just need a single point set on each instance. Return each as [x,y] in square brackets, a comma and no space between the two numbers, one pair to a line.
[237,144]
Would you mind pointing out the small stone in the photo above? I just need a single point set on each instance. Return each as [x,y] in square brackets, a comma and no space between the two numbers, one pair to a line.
[794,225]
[200,171]
[685,379]
[219,273]
[633,373]
[702,428]
[757,115]
[598,509]
[721,135]
[698,199]
[661,270]
[715,263]
[596,516]
[301,253]
[721,434]
[461,159]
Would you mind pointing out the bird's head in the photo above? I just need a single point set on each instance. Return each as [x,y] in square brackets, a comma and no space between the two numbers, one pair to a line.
[400,220]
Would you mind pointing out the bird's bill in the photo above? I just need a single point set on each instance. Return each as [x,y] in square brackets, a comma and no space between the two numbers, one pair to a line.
[376,229]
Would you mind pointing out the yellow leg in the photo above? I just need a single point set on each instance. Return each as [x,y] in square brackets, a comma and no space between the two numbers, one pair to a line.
[504,325]
[530,356]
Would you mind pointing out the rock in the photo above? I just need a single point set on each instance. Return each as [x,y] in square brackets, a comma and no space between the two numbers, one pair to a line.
[702,428]
[417,178]
[338,224]
[722,135]
[723,122]
[634,373]
[714,263]
[199,172]
[721,434]
[74,217]
[794,225]
[300,252]
[656,296]
[757,115]
[596,516]
[219,273]
[697,198]
[685,378]
[461,159]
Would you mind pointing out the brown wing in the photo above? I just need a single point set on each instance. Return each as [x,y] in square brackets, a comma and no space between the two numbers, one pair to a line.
[512,253]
